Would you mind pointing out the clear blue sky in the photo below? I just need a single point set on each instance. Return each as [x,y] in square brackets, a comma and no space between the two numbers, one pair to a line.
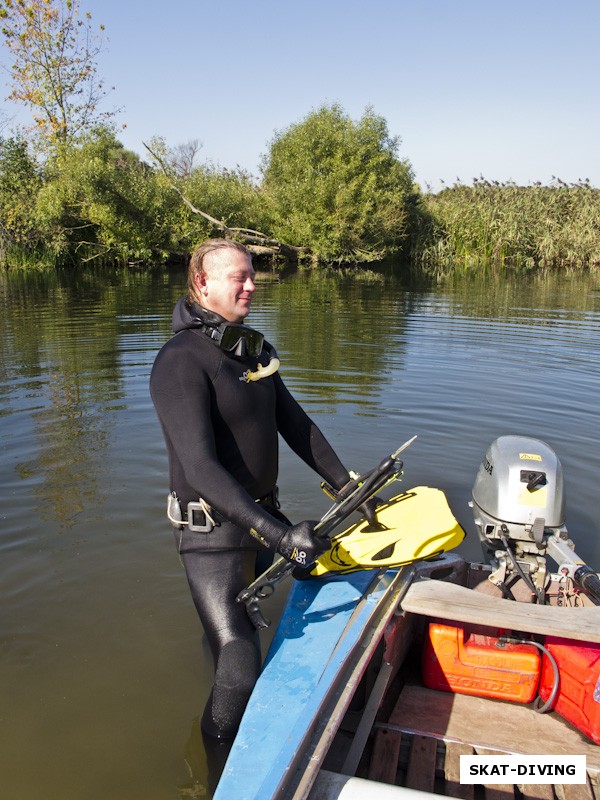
[508,90]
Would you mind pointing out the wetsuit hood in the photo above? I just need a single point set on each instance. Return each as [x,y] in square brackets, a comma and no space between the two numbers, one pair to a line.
[235,338]
[192,315]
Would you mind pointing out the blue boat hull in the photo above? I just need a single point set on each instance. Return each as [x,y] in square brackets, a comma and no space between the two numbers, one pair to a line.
[327,626]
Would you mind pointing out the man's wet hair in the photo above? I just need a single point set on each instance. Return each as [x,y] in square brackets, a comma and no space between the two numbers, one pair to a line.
[196,265]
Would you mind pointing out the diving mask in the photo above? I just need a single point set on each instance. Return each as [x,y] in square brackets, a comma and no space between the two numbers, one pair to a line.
[233,337]
[239,340]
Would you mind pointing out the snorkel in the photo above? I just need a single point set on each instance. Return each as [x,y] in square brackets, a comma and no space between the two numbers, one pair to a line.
[263,372]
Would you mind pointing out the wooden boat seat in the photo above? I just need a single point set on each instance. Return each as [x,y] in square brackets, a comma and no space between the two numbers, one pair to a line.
[449,601]
[427,757]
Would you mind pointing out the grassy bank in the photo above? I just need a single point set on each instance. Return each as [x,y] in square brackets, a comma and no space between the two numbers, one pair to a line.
[490,225]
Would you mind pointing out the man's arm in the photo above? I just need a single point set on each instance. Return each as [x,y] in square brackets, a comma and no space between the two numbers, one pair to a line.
[306,439]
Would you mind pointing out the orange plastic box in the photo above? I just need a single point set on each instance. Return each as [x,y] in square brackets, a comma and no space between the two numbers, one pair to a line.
[578,698]
[464,660]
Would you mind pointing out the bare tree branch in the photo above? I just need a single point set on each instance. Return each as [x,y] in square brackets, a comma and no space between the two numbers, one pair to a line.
[256,241]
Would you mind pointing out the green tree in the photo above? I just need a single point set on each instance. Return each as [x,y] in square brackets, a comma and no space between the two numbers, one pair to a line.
[103,202]
[215,201]
[338,187]
[20,182]
[54,72]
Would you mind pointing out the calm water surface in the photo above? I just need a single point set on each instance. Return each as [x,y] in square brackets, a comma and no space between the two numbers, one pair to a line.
[103,667]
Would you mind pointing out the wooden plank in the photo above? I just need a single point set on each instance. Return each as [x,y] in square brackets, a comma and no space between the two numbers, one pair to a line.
[386,750]
[421,766]
[499,791]
[454,788]
[449,601]
[577,791]
[384,759]
[483,723]
[594,778]
[533,791]
[495,791]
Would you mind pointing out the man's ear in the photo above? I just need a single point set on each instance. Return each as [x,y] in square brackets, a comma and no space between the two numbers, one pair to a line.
[200,282]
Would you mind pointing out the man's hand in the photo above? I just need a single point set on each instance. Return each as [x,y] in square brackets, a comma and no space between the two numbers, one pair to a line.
[300,545]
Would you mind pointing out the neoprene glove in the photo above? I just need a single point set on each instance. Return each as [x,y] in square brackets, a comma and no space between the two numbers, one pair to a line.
[300,545]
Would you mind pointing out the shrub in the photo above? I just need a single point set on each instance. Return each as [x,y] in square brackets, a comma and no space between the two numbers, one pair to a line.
[338,187]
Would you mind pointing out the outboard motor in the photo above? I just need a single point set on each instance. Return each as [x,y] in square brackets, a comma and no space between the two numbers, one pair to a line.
[518,503]
[519,511]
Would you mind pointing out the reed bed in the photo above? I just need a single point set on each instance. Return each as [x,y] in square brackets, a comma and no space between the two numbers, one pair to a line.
[502,225]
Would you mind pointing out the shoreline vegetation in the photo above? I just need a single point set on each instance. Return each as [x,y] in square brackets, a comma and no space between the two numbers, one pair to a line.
[333,192]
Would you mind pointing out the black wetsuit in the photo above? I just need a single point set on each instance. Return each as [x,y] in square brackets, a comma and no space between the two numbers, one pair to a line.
[221,434]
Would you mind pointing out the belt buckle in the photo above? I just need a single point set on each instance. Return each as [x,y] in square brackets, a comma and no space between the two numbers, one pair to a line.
[195,511]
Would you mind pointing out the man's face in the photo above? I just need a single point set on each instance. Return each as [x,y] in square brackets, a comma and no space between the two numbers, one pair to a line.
[227,283]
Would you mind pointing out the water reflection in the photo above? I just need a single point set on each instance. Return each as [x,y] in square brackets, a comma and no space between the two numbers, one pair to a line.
[338,339]
[103,668]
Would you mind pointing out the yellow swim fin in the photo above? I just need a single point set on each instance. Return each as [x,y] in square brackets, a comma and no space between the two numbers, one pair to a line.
[413,525]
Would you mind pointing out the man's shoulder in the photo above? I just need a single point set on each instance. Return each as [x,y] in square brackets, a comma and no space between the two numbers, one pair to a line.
[187,339]
[186,347]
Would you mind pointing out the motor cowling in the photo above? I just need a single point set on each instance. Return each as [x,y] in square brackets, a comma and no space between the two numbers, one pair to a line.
[518,493]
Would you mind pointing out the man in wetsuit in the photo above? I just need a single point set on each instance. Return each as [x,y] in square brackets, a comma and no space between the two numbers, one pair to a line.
[221,418]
